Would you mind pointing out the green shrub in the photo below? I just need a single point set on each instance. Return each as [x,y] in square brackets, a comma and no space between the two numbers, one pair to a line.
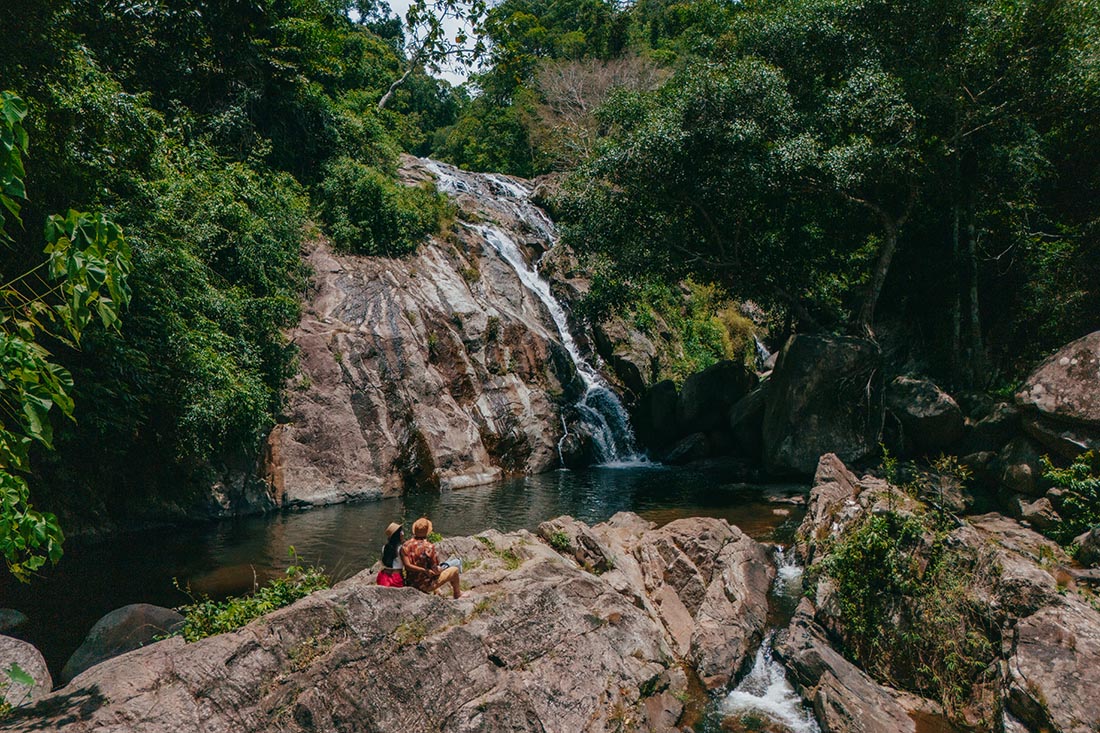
[560,542]
[368,212]
[206,617]
[1080,509]
[908,604]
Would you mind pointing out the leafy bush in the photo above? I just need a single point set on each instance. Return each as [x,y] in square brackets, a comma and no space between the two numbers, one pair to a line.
[205,617]
[1080,509]
[369,213]
[908,604]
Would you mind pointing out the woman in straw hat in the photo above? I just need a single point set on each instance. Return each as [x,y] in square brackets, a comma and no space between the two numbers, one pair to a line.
[391,573]
[422,568]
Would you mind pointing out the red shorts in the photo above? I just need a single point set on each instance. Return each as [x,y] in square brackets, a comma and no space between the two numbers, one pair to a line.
[391,578]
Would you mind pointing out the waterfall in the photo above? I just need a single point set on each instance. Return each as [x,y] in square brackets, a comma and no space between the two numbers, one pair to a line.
[599,408]
[765,691]
[762,353]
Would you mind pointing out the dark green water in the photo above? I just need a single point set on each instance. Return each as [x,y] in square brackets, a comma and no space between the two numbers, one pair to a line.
[228,557]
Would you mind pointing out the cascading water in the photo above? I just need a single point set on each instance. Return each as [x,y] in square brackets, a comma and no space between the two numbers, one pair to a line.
[599,408]
[765,690]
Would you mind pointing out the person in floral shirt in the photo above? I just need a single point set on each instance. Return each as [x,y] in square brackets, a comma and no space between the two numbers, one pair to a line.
[423,570]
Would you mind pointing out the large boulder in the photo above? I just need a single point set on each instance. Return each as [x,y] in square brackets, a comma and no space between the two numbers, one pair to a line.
[826,396]
[655,422]
[707,396]
[120,631]
[31,661]
[1088,547]
[930,419]
[1066,387]
[1061,399]
[539,641]
[1020,466]
[746,423]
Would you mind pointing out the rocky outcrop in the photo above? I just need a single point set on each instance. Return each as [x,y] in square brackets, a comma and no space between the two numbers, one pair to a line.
[439,369]
[825,396]
[930,418]
[538,642]
[1061,398]
[1044,630]
[707,396]
[30,660]
[120,631]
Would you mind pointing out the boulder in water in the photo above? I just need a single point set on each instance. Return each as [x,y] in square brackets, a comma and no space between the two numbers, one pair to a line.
[694,447]
[120,631]
[31,661]
[826,396]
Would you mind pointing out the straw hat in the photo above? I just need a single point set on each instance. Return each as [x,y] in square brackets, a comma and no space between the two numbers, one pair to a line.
[422,527]
[394,527]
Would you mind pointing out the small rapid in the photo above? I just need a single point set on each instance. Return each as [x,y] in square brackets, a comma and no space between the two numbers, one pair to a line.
[765,691]
[599,408]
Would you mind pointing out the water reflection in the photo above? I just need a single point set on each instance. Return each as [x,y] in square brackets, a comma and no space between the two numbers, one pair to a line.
[228,557]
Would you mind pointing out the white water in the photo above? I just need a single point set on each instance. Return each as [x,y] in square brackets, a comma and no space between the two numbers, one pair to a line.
[599,407]
[765,691]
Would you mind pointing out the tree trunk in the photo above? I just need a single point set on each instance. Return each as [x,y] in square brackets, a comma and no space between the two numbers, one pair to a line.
[878,278]
[393,87]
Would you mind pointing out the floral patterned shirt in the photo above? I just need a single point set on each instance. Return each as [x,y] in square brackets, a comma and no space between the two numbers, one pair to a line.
[422,554]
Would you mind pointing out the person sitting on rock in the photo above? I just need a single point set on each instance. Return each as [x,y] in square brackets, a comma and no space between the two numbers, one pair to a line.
[391,574]
[423,570]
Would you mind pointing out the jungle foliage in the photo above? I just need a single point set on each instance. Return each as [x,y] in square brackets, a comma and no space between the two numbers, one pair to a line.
[210,133]
[923,169]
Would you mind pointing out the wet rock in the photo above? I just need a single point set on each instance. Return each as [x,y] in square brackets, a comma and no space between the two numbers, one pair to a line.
[694,447]
[629,353]
[844,698]
[1066,387]
[1020,468]
[120,631]
[537,642]
[930,418]
[826,396]
[707,396]
[10,619]
[31,661]
[576,447]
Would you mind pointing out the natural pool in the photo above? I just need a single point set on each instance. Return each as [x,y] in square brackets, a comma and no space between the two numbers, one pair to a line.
[228,557]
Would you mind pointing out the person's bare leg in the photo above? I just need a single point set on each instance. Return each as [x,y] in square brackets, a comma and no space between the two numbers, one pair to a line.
[449,575]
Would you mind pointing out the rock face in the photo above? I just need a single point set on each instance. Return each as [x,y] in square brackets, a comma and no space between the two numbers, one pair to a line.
[536,643]
[120,631]
[31,661]
[931,420]
[825,396]
[440,369]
